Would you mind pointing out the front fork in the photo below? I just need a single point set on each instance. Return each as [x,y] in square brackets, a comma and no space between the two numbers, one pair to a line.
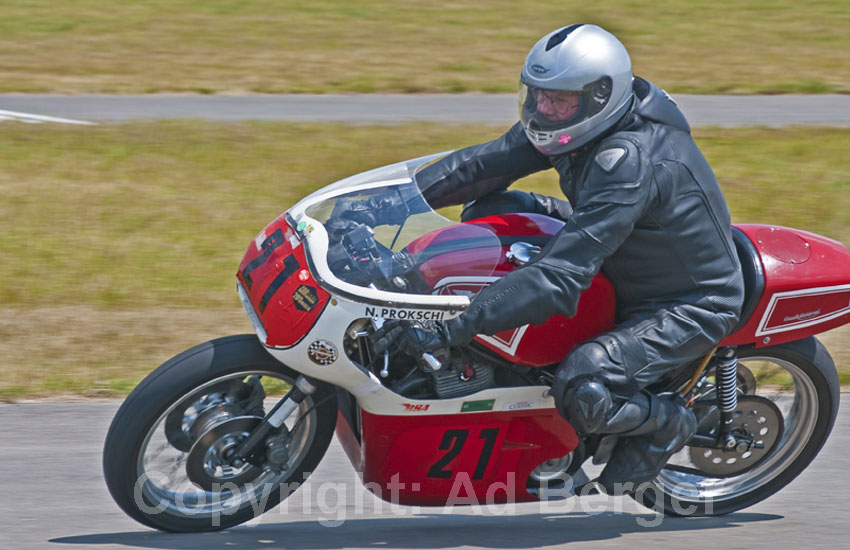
[273,420]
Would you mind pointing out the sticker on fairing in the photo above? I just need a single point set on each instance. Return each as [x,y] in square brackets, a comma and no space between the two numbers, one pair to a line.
[520,405]
[477,406]
[305,298]
[376,312]
[258,241]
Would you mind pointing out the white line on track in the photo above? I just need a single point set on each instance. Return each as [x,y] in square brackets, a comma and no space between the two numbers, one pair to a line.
[37,119]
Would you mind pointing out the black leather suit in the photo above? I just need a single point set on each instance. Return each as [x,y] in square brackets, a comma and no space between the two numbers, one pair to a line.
[647,211]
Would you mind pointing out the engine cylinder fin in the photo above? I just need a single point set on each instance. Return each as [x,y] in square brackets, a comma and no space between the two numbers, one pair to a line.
[455,381]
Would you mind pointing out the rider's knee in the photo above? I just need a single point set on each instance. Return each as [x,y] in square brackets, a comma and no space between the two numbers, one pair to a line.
[580,389]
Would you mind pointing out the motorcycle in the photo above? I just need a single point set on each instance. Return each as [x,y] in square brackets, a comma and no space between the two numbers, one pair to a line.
[197,445]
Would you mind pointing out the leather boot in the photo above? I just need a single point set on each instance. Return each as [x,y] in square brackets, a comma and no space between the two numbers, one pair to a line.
[642,452]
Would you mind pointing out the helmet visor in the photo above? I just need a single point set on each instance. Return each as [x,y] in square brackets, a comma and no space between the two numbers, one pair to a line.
[546,110]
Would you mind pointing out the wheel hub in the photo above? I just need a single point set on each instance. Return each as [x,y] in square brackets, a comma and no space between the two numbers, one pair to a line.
[552,469]
[757,426]
[208,463]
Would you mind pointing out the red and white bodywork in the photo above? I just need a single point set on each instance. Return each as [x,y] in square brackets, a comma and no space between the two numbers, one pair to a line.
[302,308]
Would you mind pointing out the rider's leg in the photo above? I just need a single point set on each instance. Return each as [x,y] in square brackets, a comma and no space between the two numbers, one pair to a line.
[599,388]
[510,202]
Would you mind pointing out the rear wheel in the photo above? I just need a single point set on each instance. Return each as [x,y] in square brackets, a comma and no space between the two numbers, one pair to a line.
[790,402]
[165,458]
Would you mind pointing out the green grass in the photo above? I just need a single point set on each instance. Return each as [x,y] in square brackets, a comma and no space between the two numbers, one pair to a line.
[120,242]
[238,46]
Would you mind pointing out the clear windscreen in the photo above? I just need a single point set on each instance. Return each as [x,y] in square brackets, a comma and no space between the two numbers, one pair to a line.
[383,235]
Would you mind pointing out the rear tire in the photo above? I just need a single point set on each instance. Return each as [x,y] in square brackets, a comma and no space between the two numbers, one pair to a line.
[141,419]
[808,424]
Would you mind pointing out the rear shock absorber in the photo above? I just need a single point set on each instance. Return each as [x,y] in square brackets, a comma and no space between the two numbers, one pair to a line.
[726,377]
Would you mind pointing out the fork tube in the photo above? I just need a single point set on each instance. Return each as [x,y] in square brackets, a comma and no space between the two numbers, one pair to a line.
[273,420]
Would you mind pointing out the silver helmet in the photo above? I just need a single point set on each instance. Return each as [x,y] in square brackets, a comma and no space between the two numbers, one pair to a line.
[576,84]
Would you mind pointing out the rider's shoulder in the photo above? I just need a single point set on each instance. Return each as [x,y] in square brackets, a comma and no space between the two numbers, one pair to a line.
[619,157]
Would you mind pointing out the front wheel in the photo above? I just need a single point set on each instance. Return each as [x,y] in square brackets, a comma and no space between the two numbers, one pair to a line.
[165,455]
[793,400]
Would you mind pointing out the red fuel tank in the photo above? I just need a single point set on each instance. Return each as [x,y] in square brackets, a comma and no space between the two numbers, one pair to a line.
[467,272]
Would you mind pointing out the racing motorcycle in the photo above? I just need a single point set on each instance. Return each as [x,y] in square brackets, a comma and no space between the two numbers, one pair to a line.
[203,442]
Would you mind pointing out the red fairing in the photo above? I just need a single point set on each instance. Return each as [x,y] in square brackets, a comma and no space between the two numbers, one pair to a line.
[275,274]
[348,439]
[807,286]
[468,271]
[472,458]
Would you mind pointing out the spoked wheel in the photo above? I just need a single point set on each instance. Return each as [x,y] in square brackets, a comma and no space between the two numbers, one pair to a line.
[167,456]
[788,410]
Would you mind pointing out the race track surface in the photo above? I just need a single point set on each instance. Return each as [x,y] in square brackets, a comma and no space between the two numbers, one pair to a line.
[53,496]
[701,110]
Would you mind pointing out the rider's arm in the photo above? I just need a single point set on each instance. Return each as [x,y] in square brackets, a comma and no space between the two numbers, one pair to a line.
[469,173]
[610,204]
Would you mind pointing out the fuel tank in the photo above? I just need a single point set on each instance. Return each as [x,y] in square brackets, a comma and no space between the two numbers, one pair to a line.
[467,272]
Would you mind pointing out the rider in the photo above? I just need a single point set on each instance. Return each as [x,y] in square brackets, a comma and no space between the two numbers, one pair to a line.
[644,206]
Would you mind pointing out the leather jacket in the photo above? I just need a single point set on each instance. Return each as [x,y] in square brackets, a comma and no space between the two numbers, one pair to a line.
[647,210]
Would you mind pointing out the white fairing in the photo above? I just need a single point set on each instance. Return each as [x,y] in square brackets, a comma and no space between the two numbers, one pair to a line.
[371,395]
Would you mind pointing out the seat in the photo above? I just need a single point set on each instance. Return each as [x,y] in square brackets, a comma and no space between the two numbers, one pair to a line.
[753,272]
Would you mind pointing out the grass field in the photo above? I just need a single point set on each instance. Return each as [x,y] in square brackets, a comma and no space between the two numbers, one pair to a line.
[238,46]
[120,242]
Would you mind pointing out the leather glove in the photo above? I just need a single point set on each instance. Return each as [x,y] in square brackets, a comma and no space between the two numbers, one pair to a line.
[378,210]
[415,339]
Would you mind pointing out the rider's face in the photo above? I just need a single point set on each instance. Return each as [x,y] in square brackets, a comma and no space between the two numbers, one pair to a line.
[557,105]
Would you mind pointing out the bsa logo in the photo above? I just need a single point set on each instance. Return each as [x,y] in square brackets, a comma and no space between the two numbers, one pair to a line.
[322,352]
[305,297]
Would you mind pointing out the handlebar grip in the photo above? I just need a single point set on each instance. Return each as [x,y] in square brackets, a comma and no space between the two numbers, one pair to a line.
[432,361]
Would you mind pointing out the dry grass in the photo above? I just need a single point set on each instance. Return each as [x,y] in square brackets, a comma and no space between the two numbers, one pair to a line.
[86,351]
[234,46]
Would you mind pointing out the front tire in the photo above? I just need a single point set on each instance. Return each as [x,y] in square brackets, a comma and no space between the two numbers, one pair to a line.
[147,474]
[800,378]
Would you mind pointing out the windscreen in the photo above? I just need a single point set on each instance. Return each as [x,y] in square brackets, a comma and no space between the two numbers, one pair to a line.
[383,235]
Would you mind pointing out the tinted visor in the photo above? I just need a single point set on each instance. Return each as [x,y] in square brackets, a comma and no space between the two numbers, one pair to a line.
[547,110]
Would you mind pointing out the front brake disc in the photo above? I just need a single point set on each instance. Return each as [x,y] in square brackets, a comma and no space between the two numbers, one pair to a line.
[179,424]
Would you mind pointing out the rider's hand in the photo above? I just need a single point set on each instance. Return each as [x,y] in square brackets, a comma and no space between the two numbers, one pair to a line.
[389,209]
[412,338]
[378,210]
[353,210]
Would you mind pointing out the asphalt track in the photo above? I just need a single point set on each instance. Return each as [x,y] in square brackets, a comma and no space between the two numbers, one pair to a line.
[701,110]
[53,496]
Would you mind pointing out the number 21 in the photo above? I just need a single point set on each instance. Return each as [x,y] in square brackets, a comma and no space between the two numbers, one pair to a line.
[453,441]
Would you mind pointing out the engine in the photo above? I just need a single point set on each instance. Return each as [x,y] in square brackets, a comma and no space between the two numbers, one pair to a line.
[463,371]
[462,376]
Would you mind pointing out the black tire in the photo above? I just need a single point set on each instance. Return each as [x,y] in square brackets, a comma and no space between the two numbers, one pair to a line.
[811,361]
[143,410]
